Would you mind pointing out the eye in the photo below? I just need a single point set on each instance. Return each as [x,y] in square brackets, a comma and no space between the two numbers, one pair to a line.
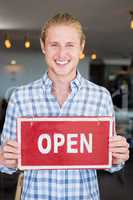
[70,45]
[54,44]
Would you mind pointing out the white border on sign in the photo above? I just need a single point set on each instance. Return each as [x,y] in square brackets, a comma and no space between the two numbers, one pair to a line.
[33,119]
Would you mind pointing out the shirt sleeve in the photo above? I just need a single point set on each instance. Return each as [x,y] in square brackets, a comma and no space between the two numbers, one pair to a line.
[9,129]
[108,110]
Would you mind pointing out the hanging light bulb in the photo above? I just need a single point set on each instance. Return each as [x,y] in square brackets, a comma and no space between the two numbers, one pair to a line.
[93,56]
[27,43]
[131,21]
[7,42]
[131,24]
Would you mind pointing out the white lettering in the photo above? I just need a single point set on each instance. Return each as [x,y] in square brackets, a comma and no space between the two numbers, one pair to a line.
[71,142]
[59,141]
[40,142]
[86,143]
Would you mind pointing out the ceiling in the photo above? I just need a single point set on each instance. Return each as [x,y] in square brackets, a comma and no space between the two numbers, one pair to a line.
[106,22]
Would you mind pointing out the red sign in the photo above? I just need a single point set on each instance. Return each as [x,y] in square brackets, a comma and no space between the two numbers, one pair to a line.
[64,143]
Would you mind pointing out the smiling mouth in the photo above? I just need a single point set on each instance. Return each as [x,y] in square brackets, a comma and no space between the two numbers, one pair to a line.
[62,62]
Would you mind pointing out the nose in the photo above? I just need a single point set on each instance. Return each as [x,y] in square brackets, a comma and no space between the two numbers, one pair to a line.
[62,51]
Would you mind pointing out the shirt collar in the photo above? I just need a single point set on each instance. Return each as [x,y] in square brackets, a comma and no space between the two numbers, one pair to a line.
[76,82]
[46,81]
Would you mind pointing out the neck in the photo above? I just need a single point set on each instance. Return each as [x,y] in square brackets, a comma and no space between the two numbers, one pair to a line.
[61,91]
[61,87]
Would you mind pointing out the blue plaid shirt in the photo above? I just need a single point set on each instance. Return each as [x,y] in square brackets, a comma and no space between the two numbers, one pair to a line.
[36,99]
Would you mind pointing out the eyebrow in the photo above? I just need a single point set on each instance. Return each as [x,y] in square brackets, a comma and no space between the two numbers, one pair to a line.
[72,42]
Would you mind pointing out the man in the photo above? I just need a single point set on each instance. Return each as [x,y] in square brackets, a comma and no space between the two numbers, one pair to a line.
[62,91]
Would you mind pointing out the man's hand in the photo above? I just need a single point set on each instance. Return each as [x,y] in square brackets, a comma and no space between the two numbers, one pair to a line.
[119,148]
[9,154]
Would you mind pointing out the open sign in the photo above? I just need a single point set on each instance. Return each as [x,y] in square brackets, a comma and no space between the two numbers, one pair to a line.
[59,140]
[64,142]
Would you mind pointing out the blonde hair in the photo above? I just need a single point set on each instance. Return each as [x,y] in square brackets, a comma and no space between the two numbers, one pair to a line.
[64,19]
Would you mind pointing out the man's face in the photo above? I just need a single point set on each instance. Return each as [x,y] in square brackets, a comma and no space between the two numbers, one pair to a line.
[62,49]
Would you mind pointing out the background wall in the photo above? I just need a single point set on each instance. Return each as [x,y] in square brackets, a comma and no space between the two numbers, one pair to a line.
[31,67]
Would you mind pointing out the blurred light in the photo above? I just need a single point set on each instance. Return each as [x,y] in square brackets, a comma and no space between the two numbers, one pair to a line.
[13,67]
[131,24]
[7,43]
[13,62]
[93,56]
[27,43]
[82,56]
[131,21]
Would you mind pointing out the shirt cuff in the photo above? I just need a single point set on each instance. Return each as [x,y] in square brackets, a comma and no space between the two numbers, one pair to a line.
[116,168]
[7,170]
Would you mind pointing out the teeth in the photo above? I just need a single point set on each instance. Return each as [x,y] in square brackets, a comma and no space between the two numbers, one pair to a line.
[61,62]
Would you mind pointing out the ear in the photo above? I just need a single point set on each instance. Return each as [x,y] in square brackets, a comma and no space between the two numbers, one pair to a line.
[82,55]
[82,45]
[42,46]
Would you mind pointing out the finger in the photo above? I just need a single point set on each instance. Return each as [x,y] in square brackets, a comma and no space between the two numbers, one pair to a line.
[119,143]
[10,156]
[123,157]
[10,149]
[12,143]
[119,150]
[117,138]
